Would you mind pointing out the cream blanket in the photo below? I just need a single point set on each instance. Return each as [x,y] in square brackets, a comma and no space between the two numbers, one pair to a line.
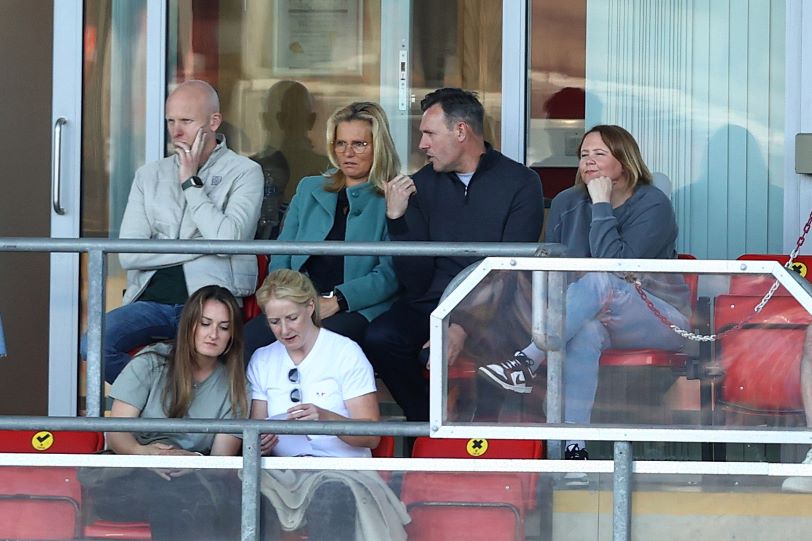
[380,514]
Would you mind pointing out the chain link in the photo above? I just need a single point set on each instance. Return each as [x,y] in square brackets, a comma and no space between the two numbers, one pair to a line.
[694,337]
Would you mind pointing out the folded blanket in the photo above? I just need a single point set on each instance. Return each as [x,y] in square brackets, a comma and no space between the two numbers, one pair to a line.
[380,514]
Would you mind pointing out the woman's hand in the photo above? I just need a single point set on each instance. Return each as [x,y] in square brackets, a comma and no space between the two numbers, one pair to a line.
[397,193]
[267,442]
[600,189]
[166,449]
[308,412]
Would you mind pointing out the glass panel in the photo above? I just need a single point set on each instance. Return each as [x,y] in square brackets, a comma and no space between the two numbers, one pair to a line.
[700,88]
[113,130]
[281,69]
[436,505]
[607,340]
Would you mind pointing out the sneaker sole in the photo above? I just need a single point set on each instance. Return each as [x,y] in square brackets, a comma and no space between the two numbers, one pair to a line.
[493,380]
[797,484]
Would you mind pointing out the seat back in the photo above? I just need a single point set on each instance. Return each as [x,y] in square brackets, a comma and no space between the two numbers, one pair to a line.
[464,506]
[42,503]
[469,506]
[761,361]
[385,449]
[43,441]
[250,308]
[476,448]
[750,284]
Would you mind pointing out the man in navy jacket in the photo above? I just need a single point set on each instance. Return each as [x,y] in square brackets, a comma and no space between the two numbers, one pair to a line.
[468,192]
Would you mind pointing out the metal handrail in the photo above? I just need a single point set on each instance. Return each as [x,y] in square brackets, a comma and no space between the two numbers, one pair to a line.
[251,429]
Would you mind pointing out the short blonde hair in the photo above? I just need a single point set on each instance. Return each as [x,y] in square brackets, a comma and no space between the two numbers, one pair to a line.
[624,149]
[289,285]
[385,161]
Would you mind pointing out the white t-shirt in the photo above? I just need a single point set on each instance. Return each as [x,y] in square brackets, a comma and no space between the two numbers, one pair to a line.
[334,371]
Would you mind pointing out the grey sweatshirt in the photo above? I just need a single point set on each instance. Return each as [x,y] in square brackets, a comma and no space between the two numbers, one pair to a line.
[644,227]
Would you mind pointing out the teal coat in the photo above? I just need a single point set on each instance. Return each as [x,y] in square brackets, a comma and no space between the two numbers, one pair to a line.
[370,285]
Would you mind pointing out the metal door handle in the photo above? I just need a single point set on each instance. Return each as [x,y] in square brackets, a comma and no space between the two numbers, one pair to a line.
[56,166]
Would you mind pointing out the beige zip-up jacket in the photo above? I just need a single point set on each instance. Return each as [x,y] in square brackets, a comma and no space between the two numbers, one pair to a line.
[225,208]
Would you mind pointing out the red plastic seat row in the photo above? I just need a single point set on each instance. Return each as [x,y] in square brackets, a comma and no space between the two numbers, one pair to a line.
[46,503]
[470,506]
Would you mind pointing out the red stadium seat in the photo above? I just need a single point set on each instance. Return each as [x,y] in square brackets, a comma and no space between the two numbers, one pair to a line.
[469,506]
[750,284]
[250,308]
[39,502]
[633,382]
[761,361]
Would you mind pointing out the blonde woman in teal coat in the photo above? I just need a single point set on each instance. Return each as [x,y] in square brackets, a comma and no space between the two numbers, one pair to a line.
[344,204]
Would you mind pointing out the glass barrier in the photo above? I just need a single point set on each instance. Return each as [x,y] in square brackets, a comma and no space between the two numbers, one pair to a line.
[427,500]
[600,348]
[123,503]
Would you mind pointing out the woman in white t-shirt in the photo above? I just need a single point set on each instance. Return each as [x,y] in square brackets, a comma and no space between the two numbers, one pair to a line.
[311,373]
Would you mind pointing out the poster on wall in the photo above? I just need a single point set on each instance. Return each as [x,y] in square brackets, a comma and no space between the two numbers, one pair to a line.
[317,37]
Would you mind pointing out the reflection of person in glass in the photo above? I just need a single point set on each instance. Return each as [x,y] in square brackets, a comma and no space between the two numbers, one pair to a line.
[312,374]
[613,211]
[345,203]
[289,154]
[201,376]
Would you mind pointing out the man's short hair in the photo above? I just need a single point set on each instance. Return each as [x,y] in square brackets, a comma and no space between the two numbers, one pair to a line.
[458,105]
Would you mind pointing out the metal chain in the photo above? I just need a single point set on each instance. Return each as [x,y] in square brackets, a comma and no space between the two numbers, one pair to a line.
[694,337]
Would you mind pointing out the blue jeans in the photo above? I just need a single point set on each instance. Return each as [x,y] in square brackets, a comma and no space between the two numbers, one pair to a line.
[606,311]
[132,326]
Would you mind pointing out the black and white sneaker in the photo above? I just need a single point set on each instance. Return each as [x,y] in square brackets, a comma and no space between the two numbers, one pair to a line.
[575,479]
[515,374]
[575,452]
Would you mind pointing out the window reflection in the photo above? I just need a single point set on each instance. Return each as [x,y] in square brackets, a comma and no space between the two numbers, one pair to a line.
[279,81]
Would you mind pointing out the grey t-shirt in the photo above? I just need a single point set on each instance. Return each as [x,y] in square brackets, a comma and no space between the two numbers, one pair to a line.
[141,385]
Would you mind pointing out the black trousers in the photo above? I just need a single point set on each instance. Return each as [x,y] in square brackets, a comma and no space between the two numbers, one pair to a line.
[394,340]
[350,324]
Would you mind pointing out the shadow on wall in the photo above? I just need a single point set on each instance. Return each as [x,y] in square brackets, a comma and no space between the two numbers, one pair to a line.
[289,154]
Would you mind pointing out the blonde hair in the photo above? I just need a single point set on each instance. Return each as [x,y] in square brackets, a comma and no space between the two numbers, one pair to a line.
[385,161]
[624,149]
[177,394]
[289,285]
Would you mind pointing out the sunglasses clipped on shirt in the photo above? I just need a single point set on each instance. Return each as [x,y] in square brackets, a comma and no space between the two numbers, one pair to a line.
[296,393]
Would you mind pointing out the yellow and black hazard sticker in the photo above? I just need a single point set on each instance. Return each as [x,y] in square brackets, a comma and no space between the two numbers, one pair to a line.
[799,267]
[42,441]
[477,446]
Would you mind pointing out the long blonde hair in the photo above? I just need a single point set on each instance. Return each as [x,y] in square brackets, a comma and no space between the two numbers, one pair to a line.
[177,394]
[385,161]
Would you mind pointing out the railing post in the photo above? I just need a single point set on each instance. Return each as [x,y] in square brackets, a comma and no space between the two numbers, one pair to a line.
[622,492]
[97,262]
[251,461]
[549,311]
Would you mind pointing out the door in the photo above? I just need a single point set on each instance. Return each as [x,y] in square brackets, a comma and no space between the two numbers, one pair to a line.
[100,111]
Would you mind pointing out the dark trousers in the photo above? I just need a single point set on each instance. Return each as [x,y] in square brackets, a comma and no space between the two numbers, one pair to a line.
[350,324]
[394,340]
[194,507]
[330,515]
